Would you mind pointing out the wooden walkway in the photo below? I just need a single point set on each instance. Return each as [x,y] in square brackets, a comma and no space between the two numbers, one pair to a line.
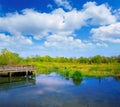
[14,69]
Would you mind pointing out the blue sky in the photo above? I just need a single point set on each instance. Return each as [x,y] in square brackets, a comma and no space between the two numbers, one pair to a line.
[69,28]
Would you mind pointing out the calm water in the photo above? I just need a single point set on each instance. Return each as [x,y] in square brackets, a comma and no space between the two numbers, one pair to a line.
[54,90]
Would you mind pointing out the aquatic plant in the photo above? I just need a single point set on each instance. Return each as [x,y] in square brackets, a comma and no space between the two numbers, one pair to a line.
[77,77]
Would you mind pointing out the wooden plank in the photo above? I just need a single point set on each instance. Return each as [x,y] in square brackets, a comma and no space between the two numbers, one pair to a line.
[16,68]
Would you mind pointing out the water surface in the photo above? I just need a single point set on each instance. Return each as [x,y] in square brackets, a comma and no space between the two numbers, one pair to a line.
[54,90]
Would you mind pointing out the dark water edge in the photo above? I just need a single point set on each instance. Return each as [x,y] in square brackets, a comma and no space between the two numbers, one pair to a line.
[53,90]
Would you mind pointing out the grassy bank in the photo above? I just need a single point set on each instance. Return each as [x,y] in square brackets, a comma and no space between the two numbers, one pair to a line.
[85,69]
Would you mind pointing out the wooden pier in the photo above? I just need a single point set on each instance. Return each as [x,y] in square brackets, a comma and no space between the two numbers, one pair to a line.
[26,69]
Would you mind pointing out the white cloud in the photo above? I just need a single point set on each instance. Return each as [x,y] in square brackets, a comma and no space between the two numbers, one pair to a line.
[54,29]
[109,33]
[64,42]
[98,15]
[14,40]
[39,25]
[50,6]
[117,14]
[63,3]
[101,45]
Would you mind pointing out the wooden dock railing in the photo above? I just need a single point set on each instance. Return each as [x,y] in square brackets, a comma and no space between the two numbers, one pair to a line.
[13,69]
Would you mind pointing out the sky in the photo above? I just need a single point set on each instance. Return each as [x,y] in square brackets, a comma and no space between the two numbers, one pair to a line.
[65,28]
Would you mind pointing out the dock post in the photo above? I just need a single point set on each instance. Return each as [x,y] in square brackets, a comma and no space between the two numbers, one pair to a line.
[26,73]
[34,73]
[10,74]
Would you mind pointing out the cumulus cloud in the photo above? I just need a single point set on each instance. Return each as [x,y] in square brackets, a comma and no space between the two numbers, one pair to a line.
[101,45]
[50,6]
[57,28]
[7,40]
[110,33]
[65,42]
[63,3]
[98,15]
[117,14]
[40,25]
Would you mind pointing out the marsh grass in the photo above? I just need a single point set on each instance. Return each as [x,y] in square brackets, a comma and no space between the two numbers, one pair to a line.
[86,69]
[117,70]
[94,68]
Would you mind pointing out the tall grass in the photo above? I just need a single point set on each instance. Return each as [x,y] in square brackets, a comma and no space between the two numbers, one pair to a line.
[86,69]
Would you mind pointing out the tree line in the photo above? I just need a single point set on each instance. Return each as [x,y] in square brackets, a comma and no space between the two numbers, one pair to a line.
[8,57]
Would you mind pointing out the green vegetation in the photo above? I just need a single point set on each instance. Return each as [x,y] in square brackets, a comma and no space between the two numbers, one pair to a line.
[92,66]
[77,77]
[9,58]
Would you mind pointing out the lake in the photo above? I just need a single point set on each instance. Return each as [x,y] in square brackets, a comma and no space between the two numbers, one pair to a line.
[53,90]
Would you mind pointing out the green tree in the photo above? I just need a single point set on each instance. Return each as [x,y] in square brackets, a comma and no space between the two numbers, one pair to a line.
[9,58]
[83,60]
[96,59]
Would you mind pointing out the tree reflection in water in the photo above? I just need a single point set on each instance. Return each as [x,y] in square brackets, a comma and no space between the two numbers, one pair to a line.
[77,81]
[16,82]
[117,78]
